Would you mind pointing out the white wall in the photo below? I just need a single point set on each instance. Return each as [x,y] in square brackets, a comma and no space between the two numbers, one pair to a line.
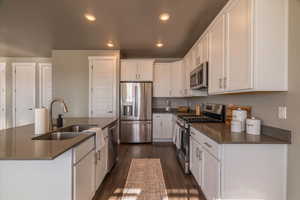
[71,78]
[9,74]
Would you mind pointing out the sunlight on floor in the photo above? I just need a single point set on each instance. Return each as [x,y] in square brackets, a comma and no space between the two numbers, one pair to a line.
[173,194]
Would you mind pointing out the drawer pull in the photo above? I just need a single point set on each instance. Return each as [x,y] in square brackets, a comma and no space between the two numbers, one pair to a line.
[208,145]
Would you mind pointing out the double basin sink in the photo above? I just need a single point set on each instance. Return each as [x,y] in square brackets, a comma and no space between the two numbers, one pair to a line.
[65,133]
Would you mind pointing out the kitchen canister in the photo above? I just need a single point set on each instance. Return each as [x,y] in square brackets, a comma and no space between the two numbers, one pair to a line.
[253,126]
[236,126]
[240,115]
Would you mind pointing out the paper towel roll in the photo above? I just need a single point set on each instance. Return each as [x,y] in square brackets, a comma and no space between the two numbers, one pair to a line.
[41,124]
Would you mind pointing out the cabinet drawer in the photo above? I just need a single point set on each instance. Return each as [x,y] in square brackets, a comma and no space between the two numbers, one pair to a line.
[83,149]
[196,135]
[211,146]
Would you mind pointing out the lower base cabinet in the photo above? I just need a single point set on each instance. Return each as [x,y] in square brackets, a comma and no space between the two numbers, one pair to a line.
[211,176]
[84,173]
[238,171]
[162,127]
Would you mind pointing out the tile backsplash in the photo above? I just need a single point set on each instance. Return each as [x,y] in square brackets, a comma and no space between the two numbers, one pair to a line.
[174,102]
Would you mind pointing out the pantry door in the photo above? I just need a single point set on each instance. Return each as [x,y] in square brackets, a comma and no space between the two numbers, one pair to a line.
[102,87]
[2,96]
[24,93]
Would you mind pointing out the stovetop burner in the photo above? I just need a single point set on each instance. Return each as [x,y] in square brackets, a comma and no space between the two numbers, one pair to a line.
[197,119]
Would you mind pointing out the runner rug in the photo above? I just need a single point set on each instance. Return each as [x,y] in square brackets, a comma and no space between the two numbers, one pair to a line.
[145,181]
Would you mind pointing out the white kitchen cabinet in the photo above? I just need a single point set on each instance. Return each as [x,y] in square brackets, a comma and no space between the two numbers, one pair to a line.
[137,69]
[238,75]
[168,79]
[196,154]
[176,79]
[162,127]
[101,157]
[204,49]
[252,50]
[238,171]
[211,176]
[217,56]
[84,177]
[162,82]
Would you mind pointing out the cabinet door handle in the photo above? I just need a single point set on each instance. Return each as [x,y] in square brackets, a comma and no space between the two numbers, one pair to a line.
[225,82]
[96,157]
[208,145]
[99,155]
[220,83]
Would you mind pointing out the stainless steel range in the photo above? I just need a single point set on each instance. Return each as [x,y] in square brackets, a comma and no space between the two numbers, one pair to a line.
[212,113]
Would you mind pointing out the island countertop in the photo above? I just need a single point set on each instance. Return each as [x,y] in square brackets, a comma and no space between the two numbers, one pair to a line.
[17,144]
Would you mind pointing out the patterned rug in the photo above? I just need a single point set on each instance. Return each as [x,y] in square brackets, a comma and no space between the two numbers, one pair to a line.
[145,181]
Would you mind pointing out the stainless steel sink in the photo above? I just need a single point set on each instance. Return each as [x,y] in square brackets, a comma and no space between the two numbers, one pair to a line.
[58,136]
[65,133]
[77,128]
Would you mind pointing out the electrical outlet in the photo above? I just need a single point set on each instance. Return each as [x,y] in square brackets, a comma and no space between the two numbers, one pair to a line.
[282,112]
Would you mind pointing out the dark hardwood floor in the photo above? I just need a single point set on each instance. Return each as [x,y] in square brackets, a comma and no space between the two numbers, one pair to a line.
[179,186]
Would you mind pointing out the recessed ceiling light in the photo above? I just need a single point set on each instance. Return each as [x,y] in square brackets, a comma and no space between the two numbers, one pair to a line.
[110,44]
[159,44]
[90,17]
[164,17]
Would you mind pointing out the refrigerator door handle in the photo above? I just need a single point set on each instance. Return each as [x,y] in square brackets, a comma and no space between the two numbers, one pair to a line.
[135,102]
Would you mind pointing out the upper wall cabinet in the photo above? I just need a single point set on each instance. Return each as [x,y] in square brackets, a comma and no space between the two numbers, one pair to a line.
[168,79]
[217,56]
[255,47]
[162,82]
[137,69]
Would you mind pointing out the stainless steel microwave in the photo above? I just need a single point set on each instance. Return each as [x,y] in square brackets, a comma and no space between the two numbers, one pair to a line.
[199,77]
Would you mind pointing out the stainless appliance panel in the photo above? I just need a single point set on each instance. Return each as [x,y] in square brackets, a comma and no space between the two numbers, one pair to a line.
[136,131]
[112,146]
[199,77]
[136,101]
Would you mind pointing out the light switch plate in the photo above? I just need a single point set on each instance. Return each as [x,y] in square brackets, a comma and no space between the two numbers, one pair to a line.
[282,112]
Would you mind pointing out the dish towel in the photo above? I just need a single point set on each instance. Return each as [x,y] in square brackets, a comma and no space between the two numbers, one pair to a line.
[178,140]
[100,141]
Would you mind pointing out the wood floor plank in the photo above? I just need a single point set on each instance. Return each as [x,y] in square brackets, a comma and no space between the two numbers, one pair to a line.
[179,186]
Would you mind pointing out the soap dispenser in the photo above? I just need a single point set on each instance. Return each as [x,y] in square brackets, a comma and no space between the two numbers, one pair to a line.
[60,121]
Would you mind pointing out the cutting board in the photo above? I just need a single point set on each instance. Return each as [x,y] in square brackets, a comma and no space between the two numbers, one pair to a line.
[232,107]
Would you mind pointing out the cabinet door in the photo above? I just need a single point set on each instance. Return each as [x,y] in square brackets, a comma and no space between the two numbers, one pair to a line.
[145,70]
[84,178]
[196,160]
[167,126]
[129,70]
[217,56]
[239,68]
[176,79]
[204,49]
[211,176]
[101,160]
[157,126]
[162,83]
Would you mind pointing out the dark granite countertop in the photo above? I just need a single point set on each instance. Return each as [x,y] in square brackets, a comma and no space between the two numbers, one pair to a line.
[17,144]
[172,111]
[221,133]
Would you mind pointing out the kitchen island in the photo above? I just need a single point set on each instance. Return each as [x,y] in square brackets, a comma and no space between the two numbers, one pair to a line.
[52,169]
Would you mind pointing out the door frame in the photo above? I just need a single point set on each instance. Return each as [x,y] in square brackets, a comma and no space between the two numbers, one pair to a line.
[91,59]
[3,91]
[40,67]
[14,67]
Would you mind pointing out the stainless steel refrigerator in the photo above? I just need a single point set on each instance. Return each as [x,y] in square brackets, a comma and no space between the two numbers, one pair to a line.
[136,112]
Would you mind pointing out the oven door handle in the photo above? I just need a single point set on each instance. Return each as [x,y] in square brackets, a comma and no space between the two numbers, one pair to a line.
[180,125]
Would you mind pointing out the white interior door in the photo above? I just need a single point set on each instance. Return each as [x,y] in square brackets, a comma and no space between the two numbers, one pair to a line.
[45,77]
[24,93]
[2,96]
[103,87]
